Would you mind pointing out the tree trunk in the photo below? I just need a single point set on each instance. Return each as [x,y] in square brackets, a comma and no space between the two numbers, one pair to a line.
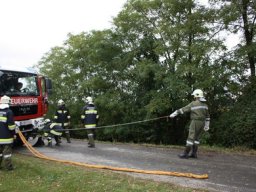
[248,33]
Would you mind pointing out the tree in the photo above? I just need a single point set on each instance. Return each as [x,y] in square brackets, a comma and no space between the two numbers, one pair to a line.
[146,66]
[239,17]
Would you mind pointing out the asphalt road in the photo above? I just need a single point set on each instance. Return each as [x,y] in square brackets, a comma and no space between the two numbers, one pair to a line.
[227,172]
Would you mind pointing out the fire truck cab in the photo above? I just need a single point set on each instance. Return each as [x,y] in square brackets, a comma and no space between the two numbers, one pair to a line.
[29,98]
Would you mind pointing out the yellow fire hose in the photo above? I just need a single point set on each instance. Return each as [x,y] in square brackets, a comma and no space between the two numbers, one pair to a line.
[177,174]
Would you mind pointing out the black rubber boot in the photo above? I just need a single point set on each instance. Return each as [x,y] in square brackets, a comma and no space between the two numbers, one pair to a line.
[91,141]
[184,155]
[57,144]
[91,146]
[68,138]
[57,139]
[10,168]
[49,143]
[194,152]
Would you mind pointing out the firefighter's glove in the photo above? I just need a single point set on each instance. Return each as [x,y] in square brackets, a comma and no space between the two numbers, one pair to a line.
[207,125]
[174,114]
[17,129]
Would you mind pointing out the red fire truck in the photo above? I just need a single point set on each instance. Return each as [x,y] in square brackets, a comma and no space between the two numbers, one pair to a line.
[29,99]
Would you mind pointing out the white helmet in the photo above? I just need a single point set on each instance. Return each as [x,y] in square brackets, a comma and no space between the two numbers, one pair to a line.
[5,100]
[198,93]
[46,121]
[61,102]
[89,100]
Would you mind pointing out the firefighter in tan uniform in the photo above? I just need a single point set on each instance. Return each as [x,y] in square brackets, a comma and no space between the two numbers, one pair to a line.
[200,119]
[7,133]
[62,118]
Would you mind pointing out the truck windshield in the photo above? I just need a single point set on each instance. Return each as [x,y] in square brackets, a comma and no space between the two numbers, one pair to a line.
[18,84]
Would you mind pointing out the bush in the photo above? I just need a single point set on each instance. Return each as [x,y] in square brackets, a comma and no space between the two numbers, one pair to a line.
[237,126]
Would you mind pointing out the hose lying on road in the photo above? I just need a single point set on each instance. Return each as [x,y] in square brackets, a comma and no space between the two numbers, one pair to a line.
[177,174]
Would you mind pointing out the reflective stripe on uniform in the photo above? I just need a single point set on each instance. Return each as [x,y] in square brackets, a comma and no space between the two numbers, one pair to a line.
[197,142]
[52,125]
[60,124]
[3,119]
[91,111]
[1,155]
[181,111]
[90,126]
[82,116]
[6,141]
[7,156]
[60,111]
[189,143]
[11,127]
[55,133]
[198,107]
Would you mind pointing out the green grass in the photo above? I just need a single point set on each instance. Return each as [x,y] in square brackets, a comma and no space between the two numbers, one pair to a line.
[34,175]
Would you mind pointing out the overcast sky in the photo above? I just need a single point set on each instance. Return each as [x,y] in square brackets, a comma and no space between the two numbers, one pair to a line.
[30,28]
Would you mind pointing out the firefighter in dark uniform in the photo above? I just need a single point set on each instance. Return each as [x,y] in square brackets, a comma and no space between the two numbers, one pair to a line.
[52,130]
[89,118]
[62,118]
[200,119]
[7,133]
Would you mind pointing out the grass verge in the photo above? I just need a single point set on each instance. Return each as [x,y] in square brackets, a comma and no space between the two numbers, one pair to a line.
[36,175]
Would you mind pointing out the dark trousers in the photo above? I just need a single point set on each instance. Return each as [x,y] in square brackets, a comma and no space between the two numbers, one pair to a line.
[6,156]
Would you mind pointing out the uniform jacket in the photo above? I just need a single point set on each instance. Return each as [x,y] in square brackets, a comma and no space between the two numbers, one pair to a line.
[198,110]
[62,116]
[53,128]
[7,126]
[89,116]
